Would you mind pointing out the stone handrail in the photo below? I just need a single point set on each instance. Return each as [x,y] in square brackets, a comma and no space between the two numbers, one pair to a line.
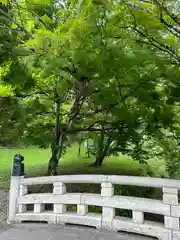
[114,179]
[168,206]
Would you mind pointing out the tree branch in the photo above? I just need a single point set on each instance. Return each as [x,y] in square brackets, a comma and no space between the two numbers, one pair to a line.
[71,131]
[20,26]
[152,41]
[171,15]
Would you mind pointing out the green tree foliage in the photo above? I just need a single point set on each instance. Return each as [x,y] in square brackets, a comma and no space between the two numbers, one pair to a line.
[84,67]
[154,23]
[6,38]
[11,122]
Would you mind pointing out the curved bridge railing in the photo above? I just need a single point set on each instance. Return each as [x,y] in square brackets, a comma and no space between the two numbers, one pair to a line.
[168,206]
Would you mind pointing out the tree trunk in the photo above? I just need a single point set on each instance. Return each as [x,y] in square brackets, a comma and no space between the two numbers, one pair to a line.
[57,152]
[57,145]
[102,153]
[87,148]
[52,166]
[79,149]
[99,160]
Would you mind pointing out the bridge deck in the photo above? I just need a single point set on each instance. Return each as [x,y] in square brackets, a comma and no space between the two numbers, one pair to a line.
[49,232]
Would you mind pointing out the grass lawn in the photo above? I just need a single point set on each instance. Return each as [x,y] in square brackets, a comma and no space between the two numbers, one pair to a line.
[36,164]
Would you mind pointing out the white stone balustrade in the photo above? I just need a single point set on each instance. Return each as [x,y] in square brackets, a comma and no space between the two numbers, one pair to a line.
[168,206]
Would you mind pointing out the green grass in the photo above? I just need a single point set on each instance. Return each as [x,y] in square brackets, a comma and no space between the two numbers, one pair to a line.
[33,156]
[36,164]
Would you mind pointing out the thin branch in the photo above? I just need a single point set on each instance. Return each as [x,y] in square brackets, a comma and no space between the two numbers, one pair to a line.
[160,46]
[171,15]
[154,42]
[119,87]
[43,113]
[111,106]
[20,26]
[33,14]
[90,129]
[170,28]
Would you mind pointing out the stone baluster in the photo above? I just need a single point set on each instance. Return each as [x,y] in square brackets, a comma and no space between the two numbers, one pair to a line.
[170,197]
[138,217]
[39,207]
[108,213]
[22,192]
[59,189]
[82,210]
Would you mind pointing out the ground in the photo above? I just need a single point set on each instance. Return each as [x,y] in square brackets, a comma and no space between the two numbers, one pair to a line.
[3,208]
[47,232]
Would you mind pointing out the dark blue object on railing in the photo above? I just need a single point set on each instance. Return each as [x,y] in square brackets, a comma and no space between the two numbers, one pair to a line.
[18,165]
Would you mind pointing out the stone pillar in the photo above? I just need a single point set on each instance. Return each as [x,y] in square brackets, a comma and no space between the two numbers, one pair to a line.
[22,192]
[17,172]
[59,189]
[13,196]
[39,207]
[138,217]
[82,210]
[108,213]
[170,197]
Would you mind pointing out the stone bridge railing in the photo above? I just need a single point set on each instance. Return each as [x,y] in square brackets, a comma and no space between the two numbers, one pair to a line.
[168,206]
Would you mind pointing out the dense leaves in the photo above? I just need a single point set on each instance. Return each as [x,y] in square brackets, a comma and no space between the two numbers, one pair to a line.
[101,70]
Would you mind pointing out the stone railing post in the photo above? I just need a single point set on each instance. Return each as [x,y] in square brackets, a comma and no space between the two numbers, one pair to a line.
[13,195]
[108,213]
[170,197]
[16,173]
[59,189]
[39,207]
[138,217]
[82,210]
[23,190]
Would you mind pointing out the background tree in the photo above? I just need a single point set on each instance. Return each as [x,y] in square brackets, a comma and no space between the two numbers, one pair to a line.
[85,69]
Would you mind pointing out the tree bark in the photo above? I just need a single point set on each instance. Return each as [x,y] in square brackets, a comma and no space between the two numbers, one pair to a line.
[103,150]
[87,148]
[99,160]
[57,152]
[80,92]
[52,166]
[79,149]
[57,145]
